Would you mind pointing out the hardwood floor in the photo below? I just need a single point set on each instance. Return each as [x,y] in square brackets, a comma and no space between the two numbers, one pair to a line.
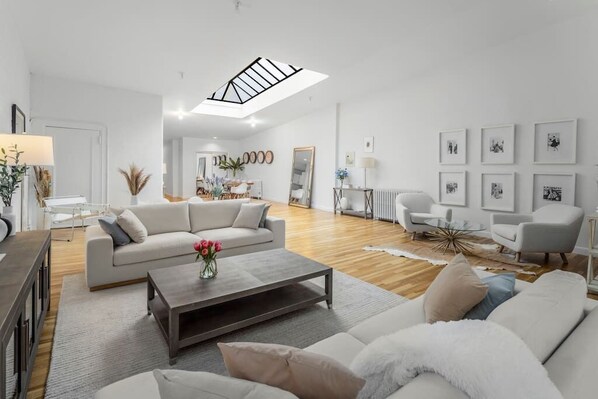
[334,240]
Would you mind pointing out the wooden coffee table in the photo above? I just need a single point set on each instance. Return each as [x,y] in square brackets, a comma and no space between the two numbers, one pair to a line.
[248,289]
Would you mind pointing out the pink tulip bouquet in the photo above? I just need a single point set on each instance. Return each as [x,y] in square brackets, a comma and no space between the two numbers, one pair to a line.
[208,251]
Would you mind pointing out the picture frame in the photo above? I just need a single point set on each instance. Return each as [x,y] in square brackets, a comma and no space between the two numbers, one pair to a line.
[19,121]
[452,147]
[498,191]
[269,157]
[553,188]
[498,144]
[452,188]
[555,142]
[350,159]
[368,144]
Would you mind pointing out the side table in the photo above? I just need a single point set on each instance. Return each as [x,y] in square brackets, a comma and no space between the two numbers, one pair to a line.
[368,202]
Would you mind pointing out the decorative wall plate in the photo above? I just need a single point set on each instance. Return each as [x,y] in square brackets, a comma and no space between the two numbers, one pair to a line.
[261,157]
[269,157]
[215,160]
[252,157]
[245,157]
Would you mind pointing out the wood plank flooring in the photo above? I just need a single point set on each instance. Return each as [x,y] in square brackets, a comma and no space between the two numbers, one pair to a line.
[334,240]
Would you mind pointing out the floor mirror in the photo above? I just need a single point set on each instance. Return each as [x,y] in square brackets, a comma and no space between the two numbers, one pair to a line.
[302,177]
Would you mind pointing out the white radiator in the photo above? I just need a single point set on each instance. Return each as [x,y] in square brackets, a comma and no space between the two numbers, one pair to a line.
[384,202]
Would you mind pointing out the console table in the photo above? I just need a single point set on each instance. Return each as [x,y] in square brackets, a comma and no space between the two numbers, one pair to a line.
[24,303]
[368,202]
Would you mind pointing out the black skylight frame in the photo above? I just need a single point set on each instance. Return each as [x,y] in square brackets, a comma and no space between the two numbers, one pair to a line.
[259,76]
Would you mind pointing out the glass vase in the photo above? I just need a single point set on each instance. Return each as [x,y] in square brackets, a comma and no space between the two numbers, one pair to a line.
[209,269]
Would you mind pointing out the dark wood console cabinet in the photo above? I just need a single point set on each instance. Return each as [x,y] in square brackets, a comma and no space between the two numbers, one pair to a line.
[24,303]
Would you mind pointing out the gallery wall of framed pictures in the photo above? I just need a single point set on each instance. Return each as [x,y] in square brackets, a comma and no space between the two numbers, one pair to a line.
[260,157]
[554,143]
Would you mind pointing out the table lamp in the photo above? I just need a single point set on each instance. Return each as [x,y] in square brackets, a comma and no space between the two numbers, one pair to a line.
[365,163]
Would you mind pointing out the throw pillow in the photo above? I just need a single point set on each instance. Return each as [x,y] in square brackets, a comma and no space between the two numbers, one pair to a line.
[305,374]
[249,216]
[178,384]
[264,216]
[454,292]
[500,288]
[109,225]
[132,226]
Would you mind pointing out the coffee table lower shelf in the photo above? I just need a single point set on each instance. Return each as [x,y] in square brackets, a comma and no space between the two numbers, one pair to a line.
[199,325]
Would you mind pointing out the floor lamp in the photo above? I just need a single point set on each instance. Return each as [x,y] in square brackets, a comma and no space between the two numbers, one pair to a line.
[365,163]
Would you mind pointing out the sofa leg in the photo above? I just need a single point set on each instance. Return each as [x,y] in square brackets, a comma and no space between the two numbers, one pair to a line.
[564,258]
[518,257]
[546,257]
[501,248]
[412,236]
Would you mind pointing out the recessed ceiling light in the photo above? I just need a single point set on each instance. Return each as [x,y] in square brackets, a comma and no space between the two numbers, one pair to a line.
[215,138]
[261,84]
[181,115]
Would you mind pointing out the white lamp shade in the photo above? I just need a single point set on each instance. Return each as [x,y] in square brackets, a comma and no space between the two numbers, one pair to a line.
[368,163]
[37,150]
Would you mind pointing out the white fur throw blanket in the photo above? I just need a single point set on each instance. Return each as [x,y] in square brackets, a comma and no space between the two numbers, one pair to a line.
[481,358]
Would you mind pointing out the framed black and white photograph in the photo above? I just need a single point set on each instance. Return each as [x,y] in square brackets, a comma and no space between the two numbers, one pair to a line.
[350,159]
[498,144]
[453,147]
[498,191]
[553,188]
[19,122]
[368,144]
[555,142]
[452,188]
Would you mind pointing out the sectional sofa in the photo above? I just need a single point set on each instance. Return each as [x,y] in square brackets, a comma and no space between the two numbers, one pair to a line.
[173,228]
[552,323]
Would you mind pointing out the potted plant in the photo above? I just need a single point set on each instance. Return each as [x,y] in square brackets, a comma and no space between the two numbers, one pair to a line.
[234,165]
[136,181]
[208,251]
[43,189]
[215,186]
[11,176]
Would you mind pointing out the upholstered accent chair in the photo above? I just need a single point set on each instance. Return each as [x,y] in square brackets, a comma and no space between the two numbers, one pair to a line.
[413,209]
[550,229]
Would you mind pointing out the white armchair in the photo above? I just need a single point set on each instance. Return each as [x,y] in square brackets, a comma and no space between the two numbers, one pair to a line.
[550,229]
[413,209]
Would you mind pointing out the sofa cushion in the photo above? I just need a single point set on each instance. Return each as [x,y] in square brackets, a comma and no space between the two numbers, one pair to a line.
[131,225]
[111,227]
[157,246]
[265,215]
[179,384]
[142,385]
[508,231]
[163,218]
[235,237]
[454,292]
[428,385]
[214,214]
[341,347]
[572,367]
[249,216]
[546,312]
[394,319]
[308,375]
[421,217]
[501,287]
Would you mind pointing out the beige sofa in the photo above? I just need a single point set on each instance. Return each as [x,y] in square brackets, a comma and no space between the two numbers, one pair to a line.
[173,228]
[572,366]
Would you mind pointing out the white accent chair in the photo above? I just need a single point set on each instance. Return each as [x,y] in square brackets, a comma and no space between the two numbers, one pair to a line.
[413,209]
[550,229]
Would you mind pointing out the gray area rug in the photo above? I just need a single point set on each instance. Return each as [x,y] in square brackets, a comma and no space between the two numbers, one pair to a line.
[105,336]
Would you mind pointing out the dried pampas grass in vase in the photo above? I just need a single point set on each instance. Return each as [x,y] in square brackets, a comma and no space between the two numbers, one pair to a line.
[43,185]
[136,180]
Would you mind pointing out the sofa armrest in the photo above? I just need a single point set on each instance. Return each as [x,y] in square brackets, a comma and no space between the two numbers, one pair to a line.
[501,218]
[546,237]
[442,211]
[99,255]
[278,227]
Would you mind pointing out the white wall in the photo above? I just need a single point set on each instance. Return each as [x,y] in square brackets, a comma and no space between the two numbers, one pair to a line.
[14,71]
[133,123]
[184,160]
[548,75]
[317,129]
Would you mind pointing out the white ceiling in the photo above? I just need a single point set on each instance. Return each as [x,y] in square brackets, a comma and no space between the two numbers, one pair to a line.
[364,45]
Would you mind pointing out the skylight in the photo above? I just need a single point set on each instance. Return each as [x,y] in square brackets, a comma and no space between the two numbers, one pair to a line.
[261,84]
